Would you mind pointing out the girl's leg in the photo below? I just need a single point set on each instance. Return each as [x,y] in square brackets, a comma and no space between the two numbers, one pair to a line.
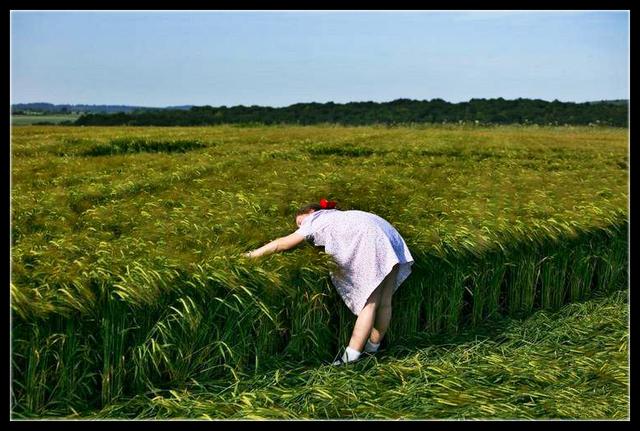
[365,320]
[383,312]
[364,326]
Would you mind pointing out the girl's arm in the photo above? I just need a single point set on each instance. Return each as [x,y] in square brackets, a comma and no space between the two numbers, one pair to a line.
[280,244]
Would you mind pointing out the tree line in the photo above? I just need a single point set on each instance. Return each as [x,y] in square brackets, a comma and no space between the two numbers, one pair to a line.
[400,111]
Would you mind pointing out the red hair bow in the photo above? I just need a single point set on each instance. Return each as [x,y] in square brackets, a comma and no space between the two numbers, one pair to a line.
[327,204]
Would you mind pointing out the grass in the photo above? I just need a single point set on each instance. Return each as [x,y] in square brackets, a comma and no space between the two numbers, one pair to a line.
[137,145]
[567,364]
[27,120]
[127,267]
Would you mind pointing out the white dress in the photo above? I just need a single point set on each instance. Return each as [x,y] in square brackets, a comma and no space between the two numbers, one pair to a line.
[365,247]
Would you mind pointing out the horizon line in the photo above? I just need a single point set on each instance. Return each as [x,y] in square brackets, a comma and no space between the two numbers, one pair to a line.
[312,102]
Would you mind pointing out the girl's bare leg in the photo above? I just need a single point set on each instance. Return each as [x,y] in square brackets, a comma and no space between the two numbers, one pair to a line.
[365,320]
[379,300]
[383,312]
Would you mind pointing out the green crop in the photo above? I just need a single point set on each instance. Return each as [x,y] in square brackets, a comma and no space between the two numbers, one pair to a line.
[127,266]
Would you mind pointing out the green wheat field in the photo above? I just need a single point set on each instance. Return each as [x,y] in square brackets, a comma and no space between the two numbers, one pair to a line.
[130,296]
[22,120]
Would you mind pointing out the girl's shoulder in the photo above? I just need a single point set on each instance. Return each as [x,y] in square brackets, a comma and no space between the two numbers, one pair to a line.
[320,216]
[323,213]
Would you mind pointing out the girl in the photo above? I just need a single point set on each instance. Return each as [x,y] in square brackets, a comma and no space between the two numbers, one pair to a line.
[373,261]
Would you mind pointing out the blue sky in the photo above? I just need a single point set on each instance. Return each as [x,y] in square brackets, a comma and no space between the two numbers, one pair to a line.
[279,58]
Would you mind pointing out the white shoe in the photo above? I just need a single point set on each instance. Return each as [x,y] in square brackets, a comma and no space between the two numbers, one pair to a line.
[344,359]
[371,348]
[339,362]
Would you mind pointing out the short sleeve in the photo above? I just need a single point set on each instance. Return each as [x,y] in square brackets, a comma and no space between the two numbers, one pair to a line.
[305,230]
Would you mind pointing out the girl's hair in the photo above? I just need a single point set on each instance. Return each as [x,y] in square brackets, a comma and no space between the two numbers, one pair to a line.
[307,209]
[323,205]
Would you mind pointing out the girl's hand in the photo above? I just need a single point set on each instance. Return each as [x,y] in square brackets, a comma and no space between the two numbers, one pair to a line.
[248,254]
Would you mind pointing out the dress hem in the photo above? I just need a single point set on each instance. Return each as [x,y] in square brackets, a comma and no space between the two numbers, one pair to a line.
[399,280]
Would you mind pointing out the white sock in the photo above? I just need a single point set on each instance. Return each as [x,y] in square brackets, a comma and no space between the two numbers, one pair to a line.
[350,354]
[371,347]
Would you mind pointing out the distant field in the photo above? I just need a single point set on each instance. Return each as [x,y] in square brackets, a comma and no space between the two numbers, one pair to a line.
[128,276]
[22,120]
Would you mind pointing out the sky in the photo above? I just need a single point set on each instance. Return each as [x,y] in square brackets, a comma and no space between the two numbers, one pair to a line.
[278,58]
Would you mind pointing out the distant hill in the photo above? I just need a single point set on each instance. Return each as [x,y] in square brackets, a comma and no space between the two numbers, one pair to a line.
[49,108]
[399,111]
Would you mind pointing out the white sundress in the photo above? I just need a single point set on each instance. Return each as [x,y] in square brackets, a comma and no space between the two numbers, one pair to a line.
[365,246]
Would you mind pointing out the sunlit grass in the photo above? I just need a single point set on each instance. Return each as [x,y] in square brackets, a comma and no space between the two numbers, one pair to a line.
[129,266]
[569,364]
